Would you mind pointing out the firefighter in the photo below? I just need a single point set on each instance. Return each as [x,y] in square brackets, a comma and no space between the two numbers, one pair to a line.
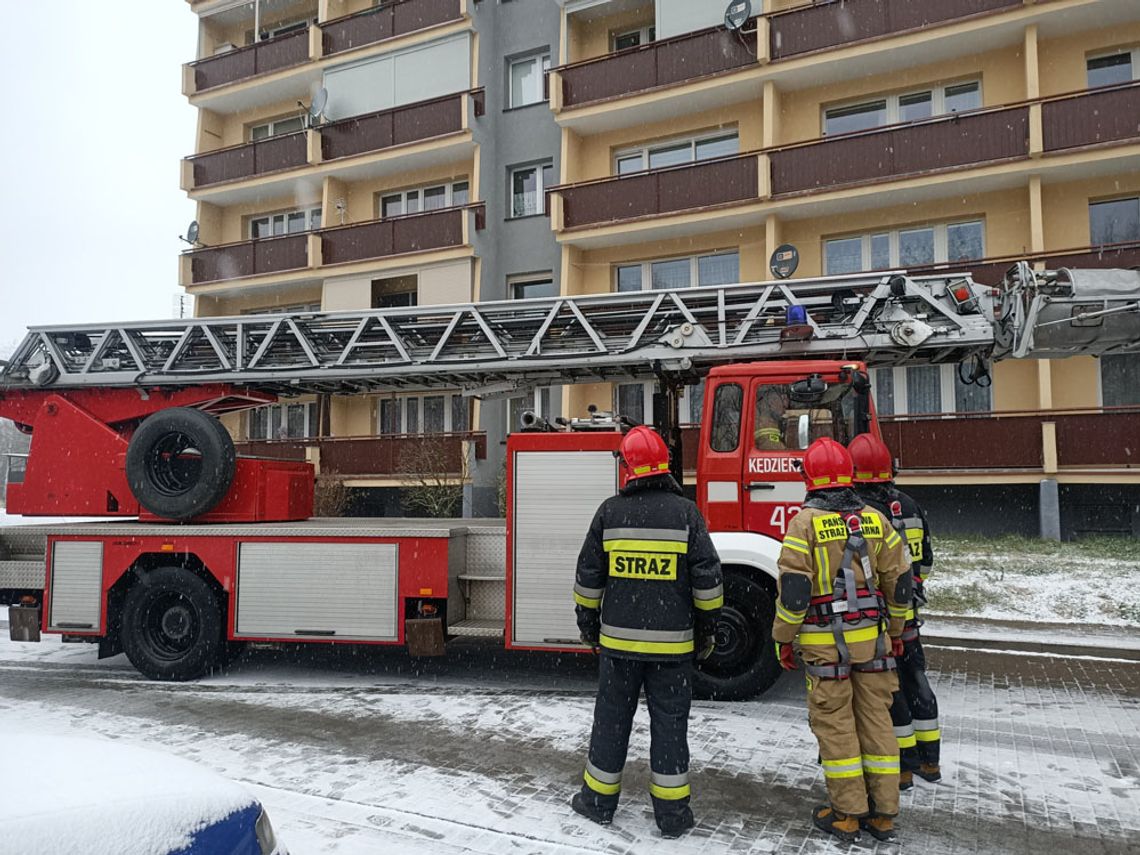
[771,405]
[648,593]
[915,708]
[844,587]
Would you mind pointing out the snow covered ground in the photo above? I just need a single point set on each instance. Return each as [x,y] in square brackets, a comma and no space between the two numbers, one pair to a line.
[367,751]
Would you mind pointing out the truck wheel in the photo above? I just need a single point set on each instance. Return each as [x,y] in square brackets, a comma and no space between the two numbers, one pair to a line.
[180,463]
[172,625]
[744,663]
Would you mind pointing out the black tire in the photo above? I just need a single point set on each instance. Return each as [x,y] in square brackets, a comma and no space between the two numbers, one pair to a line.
[744,662]
[180,463]
[172,627]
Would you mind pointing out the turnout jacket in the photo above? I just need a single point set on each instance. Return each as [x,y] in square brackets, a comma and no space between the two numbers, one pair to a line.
[814,548]
[916,530]
[648,580]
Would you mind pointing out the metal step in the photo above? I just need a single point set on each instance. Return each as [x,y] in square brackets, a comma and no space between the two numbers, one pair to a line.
[478,628]
[466,577]
[22,574]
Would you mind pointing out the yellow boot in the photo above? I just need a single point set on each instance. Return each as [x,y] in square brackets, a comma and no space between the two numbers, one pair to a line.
[880,827]
[842,825]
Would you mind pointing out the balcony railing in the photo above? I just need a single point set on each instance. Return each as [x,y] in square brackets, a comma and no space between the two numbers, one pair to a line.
[249,258]
[373,456]
[1015,441]
[690,187]
[1093,117]
[287,151]
[395,235]
[397,126]
[934,145]
[830,25]
[668,62]
[252,60]
[991,270]
[388,21]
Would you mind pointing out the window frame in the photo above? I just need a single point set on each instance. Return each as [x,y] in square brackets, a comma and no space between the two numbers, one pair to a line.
[646,35]
[528,279]
[937,104]
[539,168]
[941,244]
[402,401]
[449,188]
[1108,201]
[275,414]
[271,127]
[1134,56]
[948,401]
[543,61]
[646,268]
[644,150]
[310,215]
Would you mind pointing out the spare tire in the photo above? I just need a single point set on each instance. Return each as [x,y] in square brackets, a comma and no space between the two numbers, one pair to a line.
[180,463]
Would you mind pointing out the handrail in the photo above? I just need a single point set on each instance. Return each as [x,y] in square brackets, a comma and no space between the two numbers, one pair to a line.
[680,37]
[371,10]
[254,46]
[237,146]
[1127,409]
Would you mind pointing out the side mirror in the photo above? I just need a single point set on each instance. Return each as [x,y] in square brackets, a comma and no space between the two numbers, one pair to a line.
[803,431]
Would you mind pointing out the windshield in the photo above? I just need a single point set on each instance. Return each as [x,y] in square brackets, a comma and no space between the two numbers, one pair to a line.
[776,427]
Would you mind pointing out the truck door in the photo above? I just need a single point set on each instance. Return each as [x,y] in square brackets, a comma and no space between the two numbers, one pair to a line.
[771,486]
[722,449]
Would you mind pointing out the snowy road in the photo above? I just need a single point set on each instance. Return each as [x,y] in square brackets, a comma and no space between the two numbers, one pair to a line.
[356,752]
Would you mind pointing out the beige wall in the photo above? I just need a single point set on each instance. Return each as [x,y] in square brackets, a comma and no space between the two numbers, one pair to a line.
[438,284]
[1062,61]
[1076,382]
[261,298]
[1066,206]
[352,415]
[361,196]
[1015,385]
[587,39]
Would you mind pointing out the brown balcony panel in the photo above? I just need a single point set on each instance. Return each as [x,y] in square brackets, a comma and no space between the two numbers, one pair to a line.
[269,255]
[398,126]
[811,28]
[272,155]
[397,455]
[669,191]
[1107,438]
[274,449]
[261,58]
[981,442]
[663,63]
[903,150]
[395,236]
[690,447]
[1095,118]
[1113,255]
[386,22]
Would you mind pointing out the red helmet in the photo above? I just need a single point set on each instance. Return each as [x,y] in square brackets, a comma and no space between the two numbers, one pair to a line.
[643,452]
[827,464]
[872,459]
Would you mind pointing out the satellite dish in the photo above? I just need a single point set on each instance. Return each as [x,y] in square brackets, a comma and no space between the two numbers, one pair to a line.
[317,108]
[737,14]
[192,232]
[784,261]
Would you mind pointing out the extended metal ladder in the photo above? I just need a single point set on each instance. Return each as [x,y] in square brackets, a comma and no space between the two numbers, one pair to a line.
[884,319]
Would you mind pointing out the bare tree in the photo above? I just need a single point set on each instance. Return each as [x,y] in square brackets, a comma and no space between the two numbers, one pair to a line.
[330,498]
[433,480]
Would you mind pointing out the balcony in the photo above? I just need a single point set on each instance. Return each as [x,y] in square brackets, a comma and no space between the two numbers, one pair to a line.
[402,125]
[691,188]
[250,61]
[669,62]
[375,456]
[1091,118]
[1009,442]
[941,144]
[990,271]
[248,258]
[288,151]
[806,29]
[382,23]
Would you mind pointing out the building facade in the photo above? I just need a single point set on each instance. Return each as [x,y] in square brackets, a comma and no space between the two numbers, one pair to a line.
[494,149]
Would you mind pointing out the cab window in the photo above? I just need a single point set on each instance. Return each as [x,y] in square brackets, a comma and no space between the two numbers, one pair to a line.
[728,402]
[777,416]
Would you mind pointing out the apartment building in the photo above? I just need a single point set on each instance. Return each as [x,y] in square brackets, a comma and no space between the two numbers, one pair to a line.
[871,134]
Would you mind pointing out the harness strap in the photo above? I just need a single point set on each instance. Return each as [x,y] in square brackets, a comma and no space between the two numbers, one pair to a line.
[828,672]
[877,665]
[910,633]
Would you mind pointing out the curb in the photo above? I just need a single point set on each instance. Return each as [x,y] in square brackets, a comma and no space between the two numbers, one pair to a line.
[1047,638]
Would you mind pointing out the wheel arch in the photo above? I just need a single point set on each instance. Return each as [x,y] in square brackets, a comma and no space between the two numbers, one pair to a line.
[143,564]
[756,554]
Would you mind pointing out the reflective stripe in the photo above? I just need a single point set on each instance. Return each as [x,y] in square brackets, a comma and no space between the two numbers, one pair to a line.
[926,730]
[906,741]
[599,787]
[716,593]
[621,632]
[897,611]
[669,647]
[678,534]
[587,602]
[788,616]
[669,793]
[913,522]
[641,470]
[903,730]
[909,614]
[670,546]
[881,764]
[601,776]
[589,593]
[848,767]
[851,636]
[823,564]
[678,780]
[709,605]
[825,628]
[797,544]
[892,539]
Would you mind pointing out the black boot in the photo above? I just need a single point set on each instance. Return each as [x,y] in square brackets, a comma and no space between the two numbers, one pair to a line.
[842,825]
[880,827]
[673,825]
[592,812]
[929,772]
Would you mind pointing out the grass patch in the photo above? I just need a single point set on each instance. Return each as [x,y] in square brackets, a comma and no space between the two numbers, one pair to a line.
[1114,548]
[966,599]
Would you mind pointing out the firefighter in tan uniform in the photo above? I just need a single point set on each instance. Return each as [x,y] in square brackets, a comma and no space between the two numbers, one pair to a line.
[844,589]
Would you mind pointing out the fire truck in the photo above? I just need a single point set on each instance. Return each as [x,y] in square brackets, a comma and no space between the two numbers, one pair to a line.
[214,550]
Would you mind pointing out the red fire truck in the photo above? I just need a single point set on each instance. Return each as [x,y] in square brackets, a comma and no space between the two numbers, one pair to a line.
[215,551]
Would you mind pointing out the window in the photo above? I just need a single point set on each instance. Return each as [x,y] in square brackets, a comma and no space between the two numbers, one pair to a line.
[529,287]
[272,129]
[430,198]
[718,269]
[903,107]
[1109,69]
[926,390]
[634,38]
[1114,221]
[676,152]
[287,223]
[527,79]
[430,412]
[284,421]
[292,309]
[630,401]
[528,183]
[395,292]
[776,417]
[1120,380]
[910,247]
[727,403]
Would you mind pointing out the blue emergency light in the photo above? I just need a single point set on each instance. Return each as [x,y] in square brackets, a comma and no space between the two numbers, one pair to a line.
[796,315]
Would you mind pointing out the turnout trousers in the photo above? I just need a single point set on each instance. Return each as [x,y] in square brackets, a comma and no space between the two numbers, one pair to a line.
[852,723]
[914,710]
[668,693]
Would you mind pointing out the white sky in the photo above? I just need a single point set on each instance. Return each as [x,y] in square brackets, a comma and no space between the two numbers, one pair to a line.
[97,124]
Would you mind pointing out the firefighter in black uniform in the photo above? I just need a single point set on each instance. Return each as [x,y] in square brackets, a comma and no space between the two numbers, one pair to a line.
[914,711]
[648,593]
